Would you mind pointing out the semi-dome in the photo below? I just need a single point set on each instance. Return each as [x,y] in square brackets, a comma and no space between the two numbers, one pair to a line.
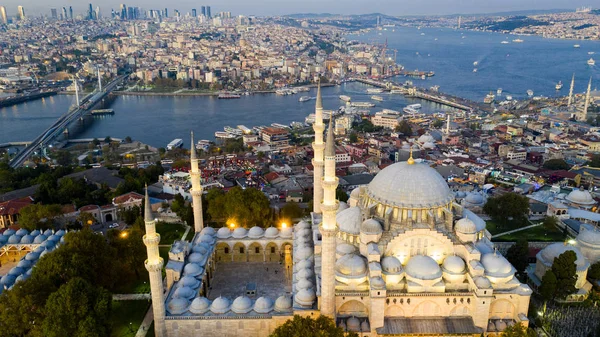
[482,282]
[351,265]
[454,265]
[196,258]
[581,197]
[200,305]
[27,239]
[208,231]
[39,239]
[177,306]
[371,226]
[355,193]
[241,305]
[345,248]
[223,233]
[263,305]
[496,265]
[271,232]
[349,220]
[423,268]
[391,264]
[240,232]
[426,138]
[409,185]
[22,232]
[189,281]
[184,292]
[554,250]
[283,303]
[255,232]
[286,232]
[465,226]
[192,269]
[220,305]
[305,297]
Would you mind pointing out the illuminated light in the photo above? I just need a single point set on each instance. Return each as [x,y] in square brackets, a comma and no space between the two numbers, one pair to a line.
[283,225]
[232,225]
[571,242]
[124,234]
[540,313]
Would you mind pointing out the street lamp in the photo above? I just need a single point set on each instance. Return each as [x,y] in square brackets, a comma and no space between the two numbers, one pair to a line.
[283,225]
[124,234]
[232,225]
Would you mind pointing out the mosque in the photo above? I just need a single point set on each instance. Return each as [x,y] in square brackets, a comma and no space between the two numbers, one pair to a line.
[400,258]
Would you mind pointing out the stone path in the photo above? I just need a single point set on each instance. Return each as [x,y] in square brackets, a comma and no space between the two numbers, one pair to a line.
[516,230]
[146,323]
[130,297]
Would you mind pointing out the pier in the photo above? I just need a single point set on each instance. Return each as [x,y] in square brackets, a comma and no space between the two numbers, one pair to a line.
[8,101]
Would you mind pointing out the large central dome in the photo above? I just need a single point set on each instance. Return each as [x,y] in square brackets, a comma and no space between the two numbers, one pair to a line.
[409,185]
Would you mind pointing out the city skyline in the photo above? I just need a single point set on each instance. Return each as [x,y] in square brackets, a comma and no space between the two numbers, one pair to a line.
[269,8]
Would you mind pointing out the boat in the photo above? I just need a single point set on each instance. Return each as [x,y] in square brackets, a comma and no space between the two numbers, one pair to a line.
[423,77]
[377,98]
[224,135]
[362,104]
[489,98]
[415,106]
[296,125]
[175,143]
[374,91]
[508,97]
[504,42]
[499,91]
[229,96]
[591,62]
[100,112]
[304,98]
[475,70]
[435,88]
[410,111]
[244,129]
[518,41]
[303,89]
[395,91]
[345,98]
[559,85]
[591,52]
[530,93]
[277,125]
[475,64]
[576,46]
[231,130]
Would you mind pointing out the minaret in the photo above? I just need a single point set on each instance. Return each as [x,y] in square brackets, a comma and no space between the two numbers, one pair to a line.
[318,148]
[571,91]
[154,265]
[196,188]
[328,228]
[587,101]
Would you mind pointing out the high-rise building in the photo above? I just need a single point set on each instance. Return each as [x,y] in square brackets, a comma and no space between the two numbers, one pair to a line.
[3,16]
[54,14]
[64,13]
[123,12]
[203,10]
[71,12]
[130,13]
[90,12]
[97,13]
[194,13]
[166,13]
[208,11]
[21,12]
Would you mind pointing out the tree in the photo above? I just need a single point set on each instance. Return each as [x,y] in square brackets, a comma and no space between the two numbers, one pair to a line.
[127,139]
[77,309]
[565,269]
[547,288]
[95,142]
[556,164]
[107,140]
[518,330]
[438,123]
[595,162]
[353,137]
[404,128]
[341,195]
[290,210]
[86,219]
[507,207]
[299,326]
[178,203]
[594,271]
[550,223]
[517,255]
[38,216]
[63,157]
[130,246]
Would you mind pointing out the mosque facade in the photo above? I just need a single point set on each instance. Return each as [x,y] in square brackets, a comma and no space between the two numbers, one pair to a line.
[402,257]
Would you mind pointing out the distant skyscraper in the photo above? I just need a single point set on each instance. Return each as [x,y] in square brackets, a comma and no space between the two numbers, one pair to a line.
[97,13]
[21,12]
[64,13]
[53,13]
[194,12]
[203,10]
[166,13]
[90,13]
[123,12]
[208,11]
[3,16]
[71,12]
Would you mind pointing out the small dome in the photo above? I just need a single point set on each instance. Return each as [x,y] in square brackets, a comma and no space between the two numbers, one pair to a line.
[304,232]
[9,232]
[500,325]
[177,306]
[342,206]
[454,265]
[21,277]
[33,256]
[423,267]
[429,145]
[263,305]
[223,233]
[54,238]
[188,281]
[371,226]
[355,193]
[426,138]
[8,280]
[303,264]
[240,233]
[207,239]
[304,283]
[475,198]
[345,248]
[554,250]
[200,305]
[3,239]
[22,232]
[302,225]
[391,264]
[208,231]
[39,249]
[496,265]
[465,226]
[39,239]
[14,239]
[353,324]
[241,305]
[196,258]
[35,233]
[271,232]
[25,264]
[349,220]
[305,297]
[286,232]
[589,235]
[48,232]
[364,326]
[460,194]
[377,282]
[283,303]
[581,197]
[48,244]
[220,305]
[27,239]
[192,269]
[61,232]
[351,265]
[16,271]
[491,326]
[200,249]
[304,253]
[255,232]
[304,273]
[184,292]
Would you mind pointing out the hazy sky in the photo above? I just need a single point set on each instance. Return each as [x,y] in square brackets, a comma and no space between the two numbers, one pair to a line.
[277,7]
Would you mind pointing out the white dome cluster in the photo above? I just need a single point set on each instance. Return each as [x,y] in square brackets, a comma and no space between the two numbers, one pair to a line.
[303,278]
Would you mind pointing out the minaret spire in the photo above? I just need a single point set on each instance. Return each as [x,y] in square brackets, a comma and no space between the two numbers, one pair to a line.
[587,100]
[154,265]
[328,227]
[410,160]
[571,91]
[318,147]
[196,188]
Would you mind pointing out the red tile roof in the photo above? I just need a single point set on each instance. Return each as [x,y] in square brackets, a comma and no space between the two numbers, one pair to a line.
[125,197]
[12,207]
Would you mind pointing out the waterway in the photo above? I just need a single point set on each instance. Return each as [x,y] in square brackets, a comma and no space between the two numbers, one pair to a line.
[535,64]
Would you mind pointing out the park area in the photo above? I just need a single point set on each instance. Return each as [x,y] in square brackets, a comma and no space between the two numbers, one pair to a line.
[536,232]
[127,317]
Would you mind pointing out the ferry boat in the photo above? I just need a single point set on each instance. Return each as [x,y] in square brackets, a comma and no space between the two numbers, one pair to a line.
[229,96]
[224,135]
[345,98]
[304,98]
[103,112]
[499,91]
[489,98]
[303,89]
[576,46]
[518,41]
[231,130]
[296,125]
[277,125]
[530,93]
[412,109]
[362,104]
[559,85]
[475,70]
[508,97]
[203,144]
[244,129]
[591,62]
[374,91]
[475,64]
[435,88]
[504,42]
[175,143]
[377,98]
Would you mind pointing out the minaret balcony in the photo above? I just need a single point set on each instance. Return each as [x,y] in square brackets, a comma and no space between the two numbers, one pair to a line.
[154,265]
[152,239]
